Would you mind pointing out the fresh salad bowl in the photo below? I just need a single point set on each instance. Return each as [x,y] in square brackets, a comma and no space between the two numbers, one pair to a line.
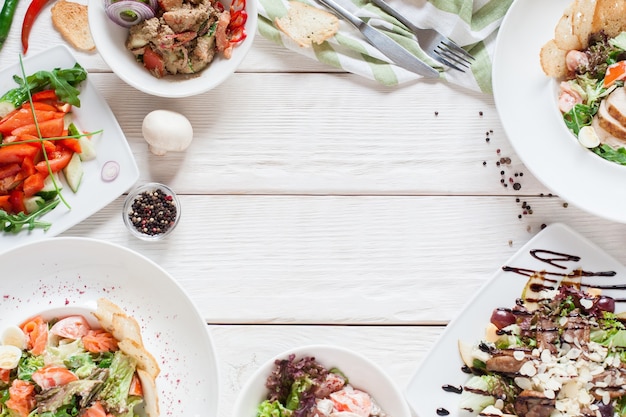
[110,40]
[67,276]
[368,384]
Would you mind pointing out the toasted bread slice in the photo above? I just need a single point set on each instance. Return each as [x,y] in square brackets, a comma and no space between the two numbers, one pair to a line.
[70,19]
[609,17]
[552,59]
[307,24]
[564,33]
[582,20]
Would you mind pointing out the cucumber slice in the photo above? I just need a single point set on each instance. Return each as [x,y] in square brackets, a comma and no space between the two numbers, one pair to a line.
[34,203]
[74,172]
[49,191]
[87,148]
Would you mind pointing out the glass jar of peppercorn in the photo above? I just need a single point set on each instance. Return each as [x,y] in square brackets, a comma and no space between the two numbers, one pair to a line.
[151,211]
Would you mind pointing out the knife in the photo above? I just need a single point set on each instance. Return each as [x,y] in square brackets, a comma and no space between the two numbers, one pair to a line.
[387,46]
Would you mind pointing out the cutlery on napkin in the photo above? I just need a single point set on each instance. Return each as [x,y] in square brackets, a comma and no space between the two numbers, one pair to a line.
[472,24]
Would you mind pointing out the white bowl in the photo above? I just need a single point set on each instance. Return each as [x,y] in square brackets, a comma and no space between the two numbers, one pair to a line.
[362,374]
[110,39]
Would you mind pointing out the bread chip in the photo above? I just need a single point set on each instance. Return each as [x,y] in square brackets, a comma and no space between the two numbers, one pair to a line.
[609,17]
[70,19]
[150,395]
[307,24]
[552,60]
[145,361]
[105,310]
[564,33]
[582,20]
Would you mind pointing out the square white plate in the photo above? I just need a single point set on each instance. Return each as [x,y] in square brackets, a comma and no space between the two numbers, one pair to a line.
[93,114]
[442,365]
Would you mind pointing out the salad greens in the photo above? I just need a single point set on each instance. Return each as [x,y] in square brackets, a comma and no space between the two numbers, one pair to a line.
[63,81]
[559,351]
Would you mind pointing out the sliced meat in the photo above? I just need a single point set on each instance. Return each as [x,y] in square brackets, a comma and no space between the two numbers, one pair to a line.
[609,123]
[504,362]
[547,334]
[616,105]
[533,404]
[577,329]
[186,19]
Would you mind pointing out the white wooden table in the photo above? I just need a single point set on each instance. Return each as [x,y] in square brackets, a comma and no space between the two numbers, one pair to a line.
[320,207]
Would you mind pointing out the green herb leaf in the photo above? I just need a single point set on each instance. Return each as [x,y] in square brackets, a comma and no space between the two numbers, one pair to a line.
[63,81]
[580,115]
[614,155]
[14,223]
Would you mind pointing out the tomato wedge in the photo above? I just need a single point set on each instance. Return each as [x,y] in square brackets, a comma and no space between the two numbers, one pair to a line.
[9,170]
[48,129]
[57,160]
[24,117]
[72,327]
[5,204]
[33,184]
[614,72]
[16,153]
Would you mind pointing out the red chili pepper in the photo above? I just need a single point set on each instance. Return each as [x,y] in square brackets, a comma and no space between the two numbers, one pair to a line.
[33,10]
[237,19]
[237,5]
[238,35]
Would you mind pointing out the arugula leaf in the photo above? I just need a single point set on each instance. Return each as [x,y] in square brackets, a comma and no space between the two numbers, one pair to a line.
[63,81]
[14,223]
[579,116]
[614,155]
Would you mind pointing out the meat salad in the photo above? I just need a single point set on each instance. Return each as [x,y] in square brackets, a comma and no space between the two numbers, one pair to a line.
[560,351]
[186,35]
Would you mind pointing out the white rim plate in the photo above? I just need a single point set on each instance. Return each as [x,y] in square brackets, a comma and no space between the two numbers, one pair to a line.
[67,275]
[526,100]
[442,365]
[93,114]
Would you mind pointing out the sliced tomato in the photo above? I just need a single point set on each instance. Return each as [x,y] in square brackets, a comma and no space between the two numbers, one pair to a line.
[51,376]
[71,144]
[8,184]
[153,62]
[33,184]
[135,386]
[96,410]
[5,375]
[48,129]
[28,167]
[16,153]
[24,117]
[16,197]
[9,170]
[5,204]
[38,105]
[614,72]
[45,95]
[57,161]
[72,327]
[21,397]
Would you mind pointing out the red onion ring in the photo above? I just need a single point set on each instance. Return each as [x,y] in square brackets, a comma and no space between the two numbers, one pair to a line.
[110,170]
[128,13]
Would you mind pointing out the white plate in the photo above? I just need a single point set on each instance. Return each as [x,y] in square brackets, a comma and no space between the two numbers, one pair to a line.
[93,114]
[442,365]
[526,100]
[68,275]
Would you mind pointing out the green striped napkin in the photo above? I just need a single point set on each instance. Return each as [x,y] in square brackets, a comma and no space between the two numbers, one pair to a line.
[471,24]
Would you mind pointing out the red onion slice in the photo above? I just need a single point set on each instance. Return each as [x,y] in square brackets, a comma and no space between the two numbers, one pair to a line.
[128,13]
[110,170]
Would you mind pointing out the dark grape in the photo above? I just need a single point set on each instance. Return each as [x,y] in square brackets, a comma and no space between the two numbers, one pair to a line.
[606,304]
[502,317]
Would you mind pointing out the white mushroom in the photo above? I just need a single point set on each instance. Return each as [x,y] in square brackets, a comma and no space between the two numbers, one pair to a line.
[165,130]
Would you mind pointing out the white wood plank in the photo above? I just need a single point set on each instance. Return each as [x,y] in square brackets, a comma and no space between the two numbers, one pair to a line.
[327,134]
[325,259]
[242,349]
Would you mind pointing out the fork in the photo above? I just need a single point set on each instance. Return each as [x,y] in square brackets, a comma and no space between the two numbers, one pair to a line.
[433,43]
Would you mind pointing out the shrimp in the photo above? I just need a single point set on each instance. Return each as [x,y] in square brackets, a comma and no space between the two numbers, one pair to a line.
[353,401]
[568,97]
[51,376]
[576,59]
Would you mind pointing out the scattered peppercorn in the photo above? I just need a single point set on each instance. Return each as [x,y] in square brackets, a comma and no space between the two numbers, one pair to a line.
[565,205]
[153,212]
[436,113]
[484,163]
[517,186]
[480,113]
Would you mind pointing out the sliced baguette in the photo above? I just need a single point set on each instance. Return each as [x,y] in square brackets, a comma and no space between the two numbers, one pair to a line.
[70,19]
[307,24]
[552,59]
[582,20]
